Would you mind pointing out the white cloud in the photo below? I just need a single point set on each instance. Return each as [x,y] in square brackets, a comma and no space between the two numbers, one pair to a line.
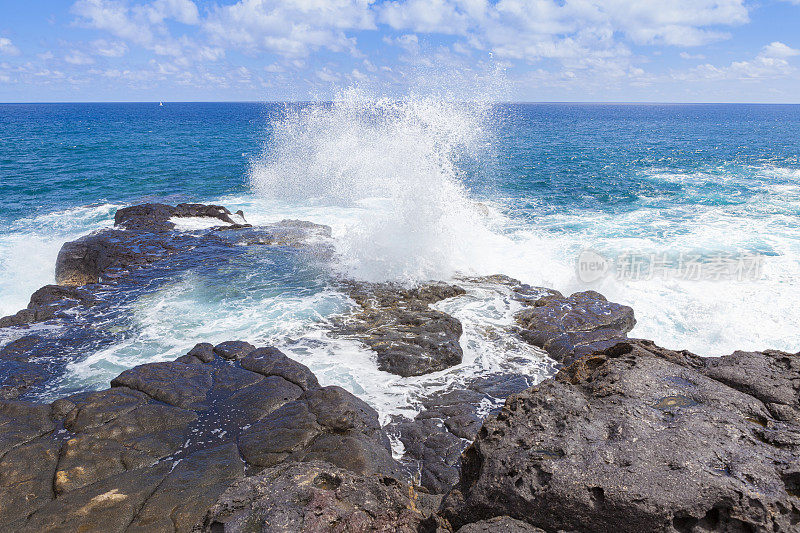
[143,25]
[687,55]
[211,53]
[115,18]
[772,62]
[429,16]
[76,57]
[358,75]
[7,47]
[569,29]
[184,11]
[106,48]
[779,50]
[292,28]
[327,75]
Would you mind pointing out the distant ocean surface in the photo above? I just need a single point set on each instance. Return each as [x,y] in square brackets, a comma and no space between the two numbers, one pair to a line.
[422,189]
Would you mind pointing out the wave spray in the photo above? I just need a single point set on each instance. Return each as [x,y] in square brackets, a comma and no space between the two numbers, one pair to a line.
[398,162]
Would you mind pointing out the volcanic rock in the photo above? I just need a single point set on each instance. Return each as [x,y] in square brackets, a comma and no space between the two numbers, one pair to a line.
[157,449]
[409,338]
[638,438]
[571,327]
[500,524]
[318,497]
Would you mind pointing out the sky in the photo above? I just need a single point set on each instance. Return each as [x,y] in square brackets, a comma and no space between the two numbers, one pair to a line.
[510,50]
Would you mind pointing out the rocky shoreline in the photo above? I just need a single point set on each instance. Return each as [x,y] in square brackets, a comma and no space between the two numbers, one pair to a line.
[627,436]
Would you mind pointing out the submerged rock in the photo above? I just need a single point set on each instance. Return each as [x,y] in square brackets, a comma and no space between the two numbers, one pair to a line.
[409,337]
[101,274]
[638,438]
[288,233]
[571,327]
[318,497]
[157,449]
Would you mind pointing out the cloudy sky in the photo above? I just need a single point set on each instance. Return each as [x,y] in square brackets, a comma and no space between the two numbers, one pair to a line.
[536,50]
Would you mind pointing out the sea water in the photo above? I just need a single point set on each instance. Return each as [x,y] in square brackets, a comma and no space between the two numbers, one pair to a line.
[421,188]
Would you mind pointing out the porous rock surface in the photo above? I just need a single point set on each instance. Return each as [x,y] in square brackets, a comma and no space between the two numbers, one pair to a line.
[571,327]
[409,337]
[447,423]
[318,497]
[500,524]
[157,449]
[638,438]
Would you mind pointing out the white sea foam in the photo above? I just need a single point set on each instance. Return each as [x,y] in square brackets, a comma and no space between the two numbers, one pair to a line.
[29,247]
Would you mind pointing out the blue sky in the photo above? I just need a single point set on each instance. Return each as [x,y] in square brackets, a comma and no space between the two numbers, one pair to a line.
[519,50]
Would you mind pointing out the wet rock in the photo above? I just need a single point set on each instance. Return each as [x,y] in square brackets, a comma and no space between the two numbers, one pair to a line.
[272,362]
[48,302]
[409,338]
[449,421]
[639,438]
[571,327]
[318,496]
[436,452]
[89,259]
[327,424]
[233,349]
[143,234]
[155,217]
[20,371]
[101,274]
[157,449]
[203,351]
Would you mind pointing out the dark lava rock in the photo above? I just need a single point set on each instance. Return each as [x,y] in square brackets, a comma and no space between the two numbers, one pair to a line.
[233,349]
[157,449]
[447,424]
[318,497]
[48,302]
[143,235]
[20,369]
[569,328]
[638,438]
[155,217]
[92,257]
[409,337]
[500,524]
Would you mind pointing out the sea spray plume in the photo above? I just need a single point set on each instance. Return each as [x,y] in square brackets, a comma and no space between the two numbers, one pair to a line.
[397,161]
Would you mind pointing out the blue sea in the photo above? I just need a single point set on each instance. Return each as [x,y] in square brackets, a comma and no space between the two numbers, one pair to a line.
[693,212]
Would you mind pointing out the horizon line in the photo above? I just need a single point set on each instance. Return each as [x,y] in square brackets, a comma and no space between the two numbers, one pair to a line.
[500,102]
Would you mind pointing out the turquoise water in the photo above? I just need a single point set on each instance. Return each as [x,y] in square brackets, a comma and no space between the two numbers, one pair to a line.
[423,189]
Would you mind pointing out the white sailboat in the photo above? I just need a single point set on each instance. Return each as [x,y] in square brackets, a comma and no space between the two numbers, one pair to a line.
[161,104]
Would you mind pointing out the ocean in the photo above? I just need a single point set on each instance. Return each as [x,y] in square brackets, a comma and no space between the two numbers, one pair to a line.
[688,213]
